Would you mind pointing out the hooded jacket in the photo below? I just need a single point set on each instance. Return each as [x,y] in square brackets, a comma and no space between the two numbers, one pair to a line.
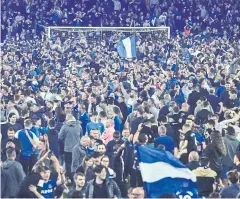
[78,154]
[70,133]
[214,156]
[5,185]
[231,144]
[16,175]
[205,180]
[204,172]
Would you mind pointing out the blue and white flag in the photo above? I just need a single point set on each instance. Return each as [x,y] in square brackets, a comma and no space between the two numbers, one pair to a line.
[127,47]
[153,18]
[162,173]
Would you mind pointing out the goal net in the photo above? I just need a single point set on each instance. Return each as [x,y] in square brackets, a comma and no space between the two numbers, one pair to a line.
[107,34]
[109,37]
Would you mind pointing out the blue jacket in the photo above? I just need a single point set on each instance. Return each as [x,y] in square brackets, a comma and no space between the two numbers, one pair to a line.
[85,119]
[93,125]
[118,125]
[220,90]
[179,99]
[27,147]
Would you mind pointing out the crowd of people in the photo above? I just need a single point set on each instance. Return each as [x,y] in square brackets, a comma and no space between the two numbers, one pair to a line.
[73,111]
[26,19]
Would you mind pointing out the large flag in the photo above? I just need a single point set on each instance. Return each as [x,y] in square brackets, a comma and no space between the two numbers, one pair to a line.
[127,47]
[162,173]
[153,18]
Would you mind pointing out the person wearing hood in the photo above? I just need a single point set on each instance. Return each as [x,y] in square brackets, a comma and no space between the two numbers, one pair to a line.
[70,134]
[205,178]
[14,170]
[5,184]
[231,144]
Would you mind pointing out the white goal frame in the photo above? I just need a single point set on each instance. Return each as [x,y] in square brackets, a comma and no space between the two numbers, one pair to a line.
[118,29]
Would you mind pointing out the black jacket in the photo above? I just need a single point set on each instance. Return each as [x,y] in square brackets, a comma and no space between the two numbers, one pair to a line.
[60,142]
[215,157]
[203,115]
[18,147]
[224,96]
[171,133]
[193,165]
[135,123]
[53,144]
[6,126]
[205,180]
[31,179]
[124,109]
[110,151]
[193,97]
[118,167]
[214,102]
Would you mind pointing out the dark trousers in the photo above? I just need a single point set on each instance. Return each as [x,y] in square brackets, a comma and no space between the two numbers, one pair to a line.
[123,188]
[33,161]
[136,178]
[25,164]
[68,163]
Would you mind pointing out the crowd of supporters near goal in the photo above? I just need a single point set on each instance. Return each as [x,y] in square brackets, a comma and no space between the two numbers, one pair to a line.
[73,110]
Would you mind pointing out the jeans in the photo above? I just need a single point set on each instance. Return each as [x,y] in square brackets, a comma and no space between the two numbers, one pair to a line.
[68,163]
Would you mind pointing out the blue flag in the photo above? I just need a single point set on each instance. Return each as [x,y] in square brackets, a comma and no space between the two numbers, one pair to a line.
[163,173]
[153,18]
[126,48]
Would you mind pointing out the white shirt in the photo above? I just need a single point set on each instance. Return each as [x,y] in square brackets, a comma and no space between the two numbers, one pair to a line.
[117,5]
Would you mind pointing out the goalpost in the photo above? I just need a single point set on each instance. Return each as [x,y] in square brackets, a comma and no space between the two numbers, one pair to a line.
[107,33]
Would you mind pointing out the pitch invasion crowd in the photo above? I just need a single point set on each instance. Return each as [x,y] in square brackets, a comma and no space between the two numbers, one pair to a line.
[72,111]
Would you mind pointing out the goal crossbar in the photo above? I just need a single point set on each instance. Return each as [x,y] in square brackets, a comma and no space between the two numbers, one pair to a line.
[118,29]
